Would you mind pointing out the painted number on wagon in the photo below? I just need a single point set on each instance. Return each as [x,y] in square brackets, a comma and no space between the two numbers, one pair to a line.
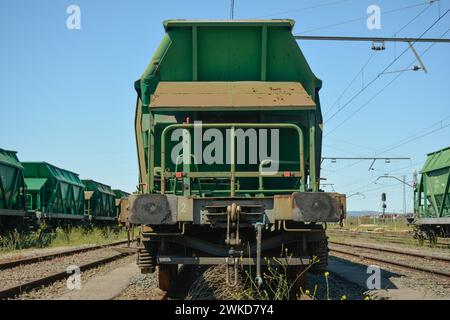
[246,309]
[183,208]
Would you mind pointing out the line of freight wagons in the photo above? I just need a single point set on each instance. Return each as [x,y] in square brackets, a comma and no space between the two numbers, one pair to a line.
[43,191]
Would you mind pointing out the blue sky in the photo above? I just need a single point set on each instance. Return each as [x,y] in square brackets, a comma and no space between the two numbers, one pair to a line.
[67,97]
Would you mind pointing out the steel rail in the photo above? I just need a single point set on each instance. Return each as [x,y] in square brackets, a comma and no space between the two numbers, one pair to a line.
[18,262]
[390,234]
[373,235]
[393,263]
[390,250]
[381,241]
[13,291]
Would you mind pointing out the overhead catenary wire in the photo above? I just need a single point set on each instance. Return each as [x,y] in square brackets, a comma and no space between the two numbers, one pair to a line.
[342,150]
[429,5]
[361,71]
[371,183]
[414,138]
[362,186]
[424,135]
[367,102]
[320,5]
[385,69]
[363,18]
[379,92]
[373,39]
[418,135]
[366,182]
[382,187]
[350,84]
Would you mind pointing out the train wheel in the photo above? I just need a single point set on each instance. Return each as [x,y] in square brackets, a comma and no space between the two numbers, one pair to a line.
[167,274]
[319,255]
[432,237]
[298,277]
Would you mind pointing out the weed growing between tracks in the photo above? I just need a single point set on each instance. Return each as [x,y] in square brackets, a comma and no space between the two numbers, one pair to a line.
[45,236]
[324,286]
[278,285]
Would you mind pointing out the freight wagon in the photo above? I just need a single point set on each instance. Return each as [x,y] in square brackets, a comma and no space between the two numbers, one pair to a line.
[52,192]
[12,189]
[35,191]
[100,201]
[432,197]
[229,137]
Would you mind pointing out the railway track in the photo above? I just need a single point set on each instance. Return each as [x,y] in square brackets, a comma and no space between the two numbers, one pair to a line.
[399,238]
[17,262]
[19,286]
[411,260]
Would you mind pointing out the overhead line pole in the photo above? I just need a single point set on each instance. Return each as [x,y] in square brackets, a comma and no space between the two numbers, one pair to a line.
[232,10]
[333,159]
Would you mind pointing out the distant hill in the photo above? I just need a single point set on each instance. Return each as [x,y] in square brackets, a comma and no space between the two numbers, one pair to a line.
[366,213]
[362,213]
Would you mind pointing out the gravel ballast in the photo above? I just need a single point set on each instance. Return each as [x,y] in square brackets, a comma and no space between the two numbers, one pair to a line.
[25,273]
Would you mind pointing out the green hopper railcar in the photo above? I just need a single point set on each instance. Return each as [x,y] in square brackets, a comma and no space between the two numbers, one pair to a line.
[432,197]
[12,188]
[229,137]
[99,201]
[53,193]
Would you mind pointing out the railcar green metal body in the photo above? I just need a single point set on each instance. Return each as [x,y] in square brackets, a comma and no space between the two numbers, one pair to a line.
[219,104]
[261,59]
[53,192]
[12,186]
[120,194]
[34,191]
[432,195]
[99,201]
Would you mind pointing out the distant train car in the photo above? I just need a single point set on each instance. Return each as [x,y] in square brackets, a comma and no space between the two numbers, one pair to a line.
[121,206]
[31,191]
[52,192]
[12,187]
[99,201]
[432,197]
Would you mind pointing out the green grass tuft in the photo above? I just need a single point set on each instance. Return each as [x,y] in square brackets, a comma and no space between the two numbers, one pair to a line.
[45,237]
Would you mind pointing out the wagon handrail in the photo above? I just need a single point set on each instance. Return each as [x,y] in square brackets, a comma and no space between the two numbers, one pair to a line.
[232,126]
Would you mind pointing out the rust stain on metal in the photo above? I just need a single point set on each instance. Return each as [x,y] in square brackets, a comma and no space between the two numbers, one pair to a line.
[245,94]
[283,205]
